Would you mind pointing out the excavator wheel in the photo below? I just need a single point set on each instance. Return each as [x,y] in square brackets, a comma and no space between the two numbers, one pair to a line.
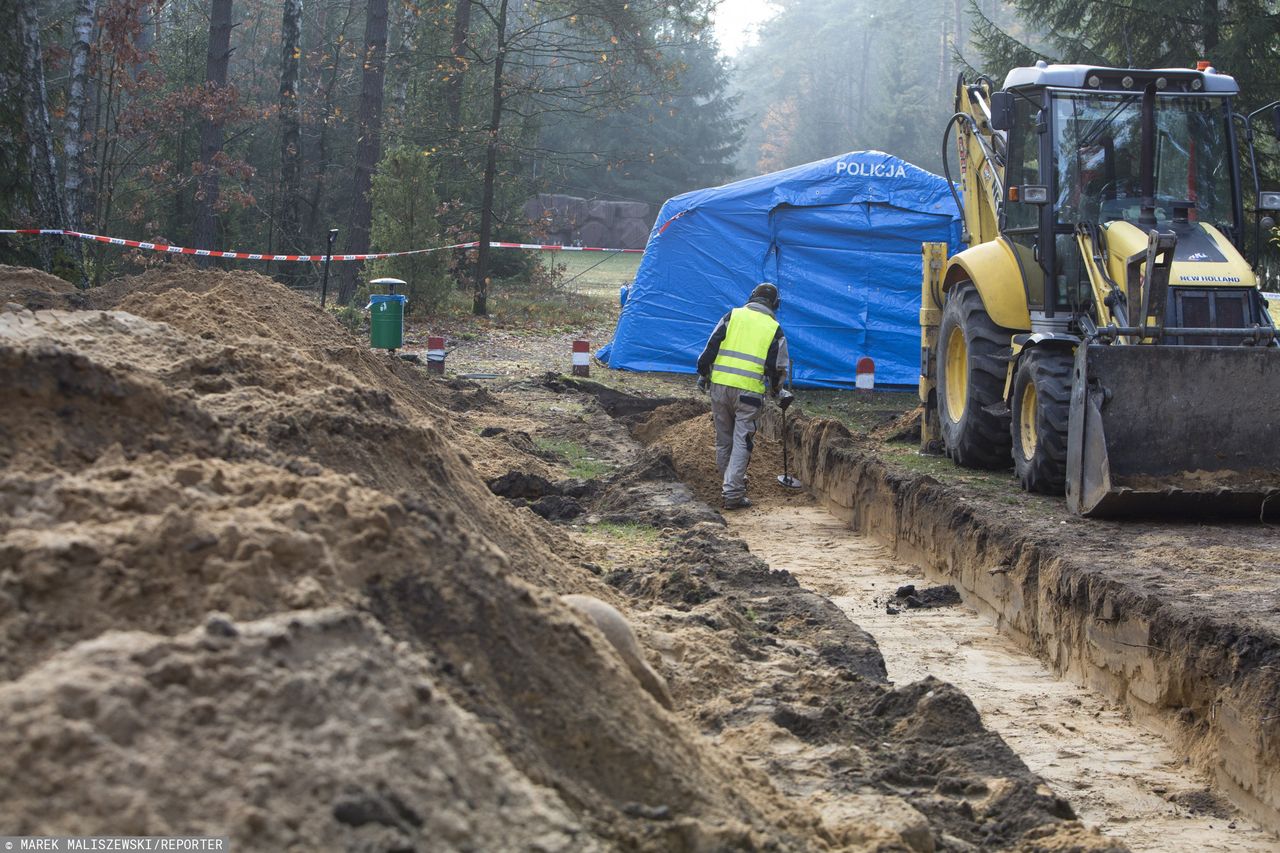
[1040,411]
[971,373]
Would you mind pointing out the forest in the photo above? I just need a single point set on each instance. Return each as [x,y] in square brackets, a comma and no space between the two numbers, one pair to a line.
[260,126]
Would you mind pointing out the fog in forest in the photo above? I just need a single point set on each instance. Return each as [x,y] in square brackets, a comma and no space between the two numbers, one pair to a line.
[263,125]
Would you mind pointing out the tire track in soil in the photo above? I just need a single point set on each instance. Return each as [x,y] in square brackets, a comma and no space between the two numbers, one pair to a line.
[1120,778]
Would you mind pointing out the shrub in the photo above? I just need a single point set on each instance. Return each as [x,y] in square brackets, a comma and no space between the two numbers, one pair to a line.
[405,210]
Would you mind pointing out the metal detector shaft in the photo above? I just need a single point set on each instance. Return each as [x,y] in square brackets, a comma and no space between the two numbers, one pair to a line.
[786,469]
[786,479]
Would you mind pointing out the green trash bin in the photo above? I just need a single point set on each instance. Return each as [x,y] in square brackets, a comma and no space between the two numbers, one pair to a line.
[386,320]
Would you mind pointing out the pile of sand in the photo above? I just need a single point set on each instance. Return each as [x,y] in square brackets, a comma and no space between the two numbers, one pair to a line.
[36,290]
[252,584]
[690,434]
[224,446]
[311,729]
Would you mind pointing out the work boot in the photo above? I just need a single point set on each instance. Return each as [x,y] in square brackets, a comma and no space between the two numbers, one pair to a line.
[737,503]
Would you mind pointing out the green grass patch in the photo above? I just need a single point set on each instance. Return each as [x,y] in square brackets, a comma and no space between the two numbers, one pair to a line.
[860,411]
[944,470]
[999,486]
[628,531]
[597,274]
[536,310]
[582,465]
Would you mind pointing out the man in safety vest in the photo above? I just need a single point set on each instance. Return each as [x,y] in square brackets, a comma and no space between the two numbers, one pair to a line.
[745,357]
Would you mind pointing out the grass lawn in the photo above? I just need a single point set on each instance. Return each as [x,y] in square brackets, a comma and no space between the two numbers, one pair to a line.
[596,274]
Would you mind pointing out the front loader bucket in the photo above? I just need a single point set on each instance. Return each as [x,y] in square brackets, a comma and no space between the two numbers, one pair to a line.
[1175,430]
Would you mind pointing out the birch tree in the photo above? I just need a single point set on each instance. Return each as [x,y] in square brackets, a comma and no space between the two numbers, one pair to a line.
[35,108]
[73,130]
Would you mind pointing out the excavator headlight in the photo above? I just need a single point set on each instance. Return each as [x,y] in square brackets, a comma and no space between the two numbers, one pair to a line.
[1127,82]
[1094,80]
[1197,84]
[1035,194]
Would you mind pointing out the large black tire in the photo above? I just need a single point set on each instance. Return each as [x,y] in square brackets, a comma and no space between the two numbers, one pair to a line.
[974,436]
[1040,410]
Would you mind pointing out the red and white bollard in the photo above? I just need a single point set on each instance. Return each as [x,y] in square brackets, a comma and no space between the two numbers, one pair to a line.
[865,374]
[435,355]
[581,358]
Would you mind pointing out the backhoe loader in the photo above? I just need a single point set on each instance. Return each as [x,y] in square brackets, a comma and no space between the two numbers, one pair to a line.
[1102,330]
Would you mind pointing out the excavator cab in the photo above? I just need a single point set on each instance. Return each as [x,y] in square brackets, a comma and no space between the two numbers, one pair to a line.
[1103,330]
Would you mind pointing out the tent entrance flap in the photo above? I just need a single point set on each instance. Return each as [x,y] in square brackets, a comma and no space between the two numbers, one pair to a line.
[1160,430]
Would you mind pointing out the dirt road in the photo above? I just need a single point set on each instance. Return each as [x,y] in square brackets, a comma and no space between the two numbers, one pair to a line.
[1120,778]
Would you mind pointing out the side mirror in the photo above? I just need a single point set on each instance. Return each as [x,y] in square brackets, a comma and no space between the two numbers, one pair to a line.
[1001,110]
[1269,200]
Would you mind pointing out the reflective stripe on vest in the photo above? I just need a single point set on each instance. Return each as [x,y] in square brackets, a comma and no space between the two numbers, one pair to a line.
[741,360]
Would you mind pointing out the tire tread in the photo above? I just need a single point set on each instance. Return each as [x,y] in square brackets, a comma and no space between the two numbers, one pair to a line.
[983,440]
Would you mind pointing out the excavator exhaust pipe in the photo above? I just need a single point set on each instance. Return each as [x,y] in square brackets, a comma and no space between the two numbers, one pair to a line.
[1165,430]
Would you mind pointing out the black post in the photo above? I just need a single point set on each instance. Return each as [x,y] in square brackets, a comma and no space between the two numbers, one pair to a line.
[324,287]
[1147,217]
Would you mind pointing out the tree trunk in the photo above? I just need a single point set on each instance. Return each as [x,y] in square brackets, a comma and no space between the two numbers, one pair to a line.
[400,89]
[369,141]
[35,115]
[457,74]
[290,195]
[1211,35]
[946,83]
[480,303]
[961,41]
[73,136]
[322,91]
[215,78]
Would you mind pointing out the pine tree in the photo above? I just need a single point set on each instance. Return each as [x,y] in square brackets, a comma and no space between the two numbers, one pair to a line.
[1240,37]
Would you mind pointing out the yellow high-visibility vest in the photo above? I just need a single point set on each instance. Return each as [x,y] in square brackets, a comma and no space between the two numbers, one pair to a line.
[744,349]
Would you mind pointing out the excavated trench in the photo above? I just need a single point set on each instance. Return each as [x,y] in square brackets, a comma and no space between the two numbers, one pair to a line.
[1120,778]
[1186,650]
[1142,779]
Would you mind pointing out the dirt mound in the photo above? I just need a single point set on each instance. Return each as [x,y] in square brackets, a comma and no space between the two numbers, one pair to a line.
[87,381]
[652,425]
[904,428]
[686,428]
[235,450]
[36,290]
[388,664]
[216,731]
[648,492]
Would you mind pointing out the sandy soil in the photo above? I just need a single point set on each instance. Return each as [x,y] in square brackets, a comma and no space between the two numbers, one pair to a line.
[1120,777]
[255,581]
[320,590]
[238,544]
[771,671]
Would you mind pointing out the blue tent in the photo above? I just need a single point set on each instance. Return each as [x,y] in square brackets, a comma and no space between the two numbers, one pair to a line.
[841,239]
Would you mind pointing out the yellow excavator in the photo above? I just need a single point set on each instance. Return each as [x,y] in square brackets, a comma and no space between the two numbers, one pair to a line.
[1102,331]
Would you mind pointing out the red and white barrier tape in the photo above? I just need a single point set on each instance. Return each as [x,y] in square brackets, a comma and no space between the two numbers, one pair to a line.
[553,248]
[256,256]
